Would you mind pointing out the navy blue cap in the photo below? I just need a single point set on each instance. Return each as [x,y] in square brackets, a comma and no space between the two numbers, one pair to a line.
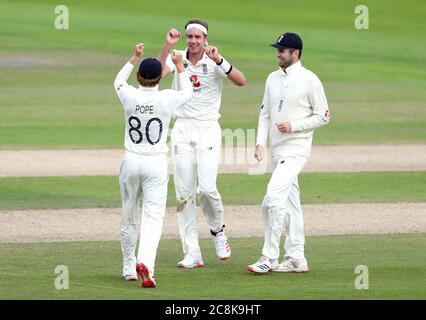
[288,40]
[150,68]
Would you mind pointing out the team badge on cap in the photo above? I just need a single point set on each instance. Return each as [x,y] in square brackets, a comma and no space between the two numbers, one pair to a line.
[288,40]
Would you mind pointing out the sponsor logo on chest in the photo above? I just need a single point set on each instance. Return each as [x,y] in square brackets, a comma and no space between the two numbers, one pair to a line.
[199,75]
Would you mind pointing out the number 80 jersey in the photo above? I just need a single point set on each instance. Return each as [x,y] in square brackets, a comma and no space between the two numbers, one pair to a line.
[147,112]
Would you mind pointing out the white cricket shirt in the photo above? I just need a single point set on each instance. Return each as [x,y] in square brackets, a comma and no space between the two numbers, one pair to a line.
[207,82]
[147,112]
[295,95]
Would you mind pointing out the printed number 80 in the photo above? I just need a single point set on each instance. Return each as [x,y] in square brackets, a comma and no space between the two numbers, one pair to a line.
[135,129]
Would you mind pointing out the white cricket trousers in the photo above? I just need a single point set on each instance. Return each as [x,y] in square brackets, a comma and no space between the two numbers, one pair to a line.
[142,176]
[282,210]
[196,153]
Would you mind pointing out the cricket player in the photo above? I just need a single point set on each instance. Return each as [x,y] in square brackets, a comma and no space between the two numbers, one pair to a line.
[196,139]
[147,114]
[294,104]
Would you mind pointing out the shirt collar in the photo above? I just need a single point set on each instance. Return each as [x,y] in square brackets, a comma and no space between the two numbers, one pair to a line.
[291,69]
[141,88]
[185,56]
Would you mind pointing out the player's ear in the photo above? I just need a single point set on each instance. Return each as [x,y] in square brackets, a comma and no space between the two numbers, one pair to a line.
[297,53]
[139,78]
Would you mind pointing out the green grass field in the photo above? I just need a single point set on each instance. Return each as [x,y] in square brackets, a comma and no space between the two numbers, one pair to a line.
[396,266]
[94,192]
[56,92]
[59,93]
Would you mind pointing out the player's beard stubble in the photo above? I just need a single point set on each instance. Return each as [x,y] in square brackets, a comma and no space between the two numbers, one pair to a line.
[285,63]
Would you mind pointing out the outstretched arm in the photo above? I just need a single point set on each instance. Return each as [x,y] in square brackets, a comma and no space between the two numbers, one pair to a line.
[120,82]
[137,54]
[172,38]
[124,74]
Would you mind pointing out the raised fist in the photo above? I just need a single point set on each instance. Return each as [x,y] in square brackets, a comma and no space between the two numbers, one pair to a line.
[177,57]
[139,50]
[213,53]
[172,37]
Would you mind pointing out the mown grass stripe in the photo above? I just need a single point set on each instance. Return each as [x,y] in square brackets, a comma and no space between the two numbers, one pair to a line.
[238,189]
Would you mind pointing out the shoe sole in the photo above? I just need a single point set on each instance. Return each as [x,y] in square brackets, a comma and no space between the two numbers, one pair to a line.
[143,271]
[130,279]
[196,265]
[250,269]
[292,271]
[225,258]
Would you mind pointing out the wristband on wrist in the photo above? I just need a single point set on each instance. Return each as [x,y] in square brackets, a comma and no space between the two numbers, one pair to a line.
[225,66]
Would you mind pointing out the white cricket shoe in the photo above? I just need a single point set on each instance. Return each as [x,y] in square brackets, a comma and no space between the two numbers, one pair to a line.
[191,261]
[263,265]
[221,243]
[147,277]
[290,264]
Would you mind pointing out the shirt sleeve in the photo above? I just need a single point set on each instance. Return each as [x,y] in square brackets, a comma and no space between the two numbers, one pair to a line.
[170,63]
[180,97]
[264,119]
[320,111]
[220,72]
[121,86]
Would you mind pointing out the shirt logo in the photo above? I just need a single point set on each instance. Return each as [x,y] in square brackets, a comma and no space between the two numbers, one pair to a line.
[327,114]
[195,82]
[204,69]
[185,65]
[280,106]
